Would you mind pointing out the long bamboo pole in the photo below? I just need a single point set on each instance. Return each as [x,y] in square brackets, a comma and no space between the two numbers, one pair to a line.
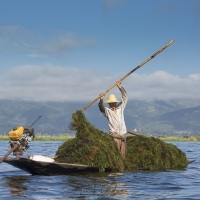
[128,74]
[9,152]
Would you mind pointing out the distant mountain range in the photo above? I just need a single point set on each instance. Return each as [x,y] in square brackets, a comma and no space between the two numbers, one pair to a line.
[150,117]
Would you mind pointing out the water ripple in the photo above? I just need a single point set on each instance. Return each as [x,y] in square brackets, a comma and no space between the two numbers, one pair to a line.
[171,184]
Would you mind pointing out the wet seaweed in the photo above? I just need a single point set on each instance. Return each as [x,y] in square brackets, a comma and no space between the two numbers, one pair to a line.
[93,147]
[90,146]
[153,154]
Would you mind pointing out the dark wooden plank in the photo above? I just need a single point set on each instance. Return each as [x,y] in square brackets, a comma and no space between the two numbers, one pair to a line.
[47,168]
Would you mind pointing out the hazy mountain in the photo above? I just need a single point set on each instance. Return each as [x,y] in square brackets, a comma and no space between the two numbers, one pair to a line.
[153,117]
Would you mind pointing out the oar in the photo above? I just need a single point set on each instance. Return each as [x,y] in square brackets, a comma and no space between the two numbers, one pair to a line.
[9,152]
[140,65]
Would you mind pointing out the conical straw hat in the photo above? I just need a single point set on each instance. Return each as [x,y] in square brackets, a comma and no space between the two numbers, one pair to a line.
[111,99]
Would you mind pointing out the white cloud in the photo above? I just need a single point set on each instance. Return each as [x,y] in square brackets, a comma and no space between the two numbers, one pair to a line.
[63,43]
[162,85]
[55,83]
[17,39]
[36,55]
[195,76]
[111,4]
[14,38]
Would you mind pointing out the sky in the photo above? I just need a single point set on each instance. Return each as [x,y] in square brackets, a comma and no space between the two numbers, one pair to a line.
[73,50]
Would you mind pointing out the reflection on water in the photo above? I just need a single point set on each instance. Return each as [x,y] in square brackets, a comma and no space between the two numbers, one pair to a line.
[17,185]
[64,187]
[172,184]
[99,185]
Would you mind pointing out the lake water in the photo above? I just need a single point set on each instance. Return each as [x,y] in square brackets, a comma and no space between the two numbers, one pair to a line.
[172,184]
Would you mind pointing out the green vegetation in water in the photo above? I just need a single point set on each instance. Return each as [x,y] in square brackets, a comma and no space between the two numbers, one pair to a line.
[61,137]
[4,137]
[64,137]
[95,148]
[181,139]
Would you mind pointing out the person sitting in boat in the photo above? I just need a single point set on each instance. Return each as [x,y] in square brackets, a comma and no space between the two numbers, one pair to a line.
[115,115]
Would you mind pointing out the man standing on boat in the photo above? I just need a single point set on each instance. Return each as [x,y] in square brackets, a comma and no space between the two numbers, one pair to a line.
[115,115]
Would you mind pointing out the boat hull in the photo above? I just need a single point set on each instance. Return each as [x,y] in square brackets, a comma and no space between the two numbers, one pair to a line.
[49,168]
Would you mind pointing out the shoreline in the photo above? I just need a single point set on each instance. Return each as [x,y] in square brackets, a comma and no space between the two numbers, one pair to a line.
[63,137]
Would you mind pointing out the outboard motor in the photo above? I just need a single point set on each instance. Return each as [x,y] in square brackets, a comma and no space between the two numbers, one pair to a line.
[21,136]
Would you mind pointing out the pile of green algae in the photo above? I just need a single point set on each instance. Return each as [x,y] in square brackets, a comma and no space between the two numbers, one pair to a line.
[96,148]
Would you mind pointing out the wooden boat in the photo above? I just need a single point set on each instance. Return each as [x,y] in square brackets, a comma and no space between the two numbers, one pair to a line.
[49,168]
[54,168]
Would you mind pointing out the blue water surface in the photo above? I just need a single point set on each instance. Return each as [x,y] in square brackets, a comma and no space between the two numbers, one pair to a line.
[172,184]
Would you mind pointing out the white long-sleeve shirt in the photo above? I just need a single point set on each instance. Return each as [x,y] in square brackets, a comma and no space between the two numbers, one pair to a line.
[116,121]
